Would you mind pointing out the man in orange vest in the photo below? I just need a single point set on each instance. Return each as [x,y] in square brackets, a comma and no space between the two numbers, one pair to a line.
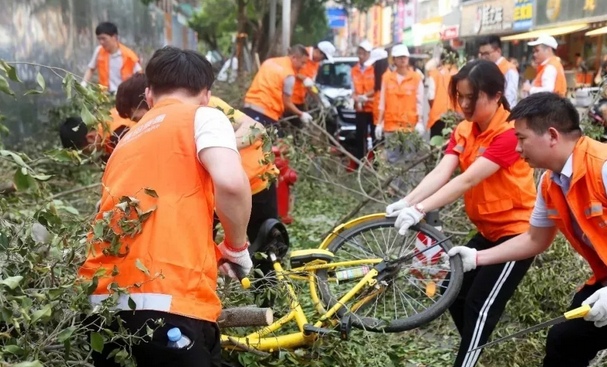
[363,78]
[571,197]
[177,165]
[270,93]
[113,61]
[307,73]
[550,74]
[491,50]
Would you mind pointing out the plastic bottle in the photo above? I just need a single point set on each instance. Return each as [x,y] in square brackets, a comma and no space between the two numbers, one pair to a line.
[177,340]
[351,273]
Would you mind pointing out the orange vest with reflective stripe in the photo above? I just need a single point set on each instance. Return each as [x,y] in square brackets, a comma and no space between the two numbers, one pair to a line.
[364,82]
[176,240]
[505,65]
[112,125]
[442,102]
[376,98]
[310,69]
[129,60]
[265,93]
[502,203]
[560,84]
[401,101]
[587,201]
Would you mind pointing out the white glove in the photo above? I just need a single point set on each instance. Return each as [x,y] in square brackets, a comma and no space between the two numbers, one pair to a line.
[379,131]
[308,83]
[363,98]
[394,209]
[467,254]
[406,218]
[305,118]
[598,312]
[235,264]
[83,84]
[420,128]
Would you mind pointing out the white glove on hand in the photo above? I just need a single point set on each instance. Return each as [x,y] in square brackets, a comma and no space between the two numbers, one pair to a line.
[598,312]
[83,84]
[467,254]
[420,128]
[406,218]
[308,83]
[237,264]
[394,209]
[363,98]
[379,131]
[305,118]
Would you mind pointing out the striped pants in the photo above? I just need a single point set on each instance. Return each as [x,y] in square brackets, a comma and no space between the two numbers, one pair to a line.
[482,300]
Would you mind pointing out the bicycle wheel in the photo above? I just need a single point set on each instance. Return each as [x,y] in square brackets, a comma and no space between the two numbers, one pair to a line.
[407,296]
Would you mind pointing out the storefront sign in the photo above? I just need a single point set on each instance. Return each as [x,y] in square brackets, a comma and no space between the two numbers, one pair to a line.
[552,12]
[337,17]
[523,15]
[449,32]
[428,31]
[408,39]
[409,17]
[488,17]
[398,14]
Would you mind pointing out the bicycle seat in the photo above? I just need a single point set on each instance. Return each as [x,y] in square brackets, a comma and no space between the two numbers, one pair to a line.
[302,257]
[272,237]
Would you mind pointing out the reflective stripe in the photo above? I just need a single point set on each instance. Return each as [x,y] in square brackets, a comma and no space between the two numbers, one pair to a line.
[459,148]
[597,208]
[553,212]
[481,150]
[144,301]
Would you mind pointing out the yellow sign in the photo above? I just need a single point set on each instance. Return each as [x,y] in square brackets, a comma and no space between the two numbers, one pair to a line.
[590,5]
[553,8]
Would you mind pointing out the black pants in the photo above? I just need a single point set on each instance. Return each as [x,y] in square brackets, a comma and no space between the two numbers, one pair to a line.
[205,350]
[576,342]
[437,128]
[482,300]
[364,120]
[259,117]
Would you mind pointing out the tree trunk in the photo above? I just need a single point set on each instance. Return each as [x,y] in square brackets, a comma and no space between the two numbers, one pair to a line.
[272,48]
[241,37]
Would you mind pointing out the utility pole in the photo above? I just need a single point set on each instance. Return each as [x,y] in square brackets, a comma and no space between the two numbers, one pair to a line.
[286,26]
[272,31]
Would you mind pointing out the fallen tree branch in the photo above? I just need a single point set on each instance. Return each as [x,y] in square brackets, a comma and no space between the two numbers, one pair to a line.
[247,348]
[7,187]
[245,316]
[73,191]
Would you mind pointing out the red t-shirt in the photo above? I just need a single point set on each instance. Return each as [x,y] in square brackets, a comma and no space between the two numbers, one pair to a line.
[502,150]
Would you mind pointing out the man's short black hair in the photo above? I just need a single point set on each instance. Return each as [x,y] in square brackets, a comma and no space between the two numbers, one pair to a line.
[106,28]
[494,41]
[544,110]
[171,68]
[131,95]
[73,133]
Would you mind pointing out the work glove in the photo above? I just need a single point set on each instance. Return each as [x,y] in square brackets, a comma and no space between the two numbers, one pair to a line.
[467,254]
[308,83]
[420,128]
[379,131]
[234,263]
[406,218]
[395,208]
[83,84]
[305,118]
[363,98]
[598,312]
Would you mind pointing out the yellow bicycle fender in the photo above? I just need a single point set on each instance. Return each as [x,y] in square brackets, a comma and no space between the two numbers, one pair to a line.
[342,227]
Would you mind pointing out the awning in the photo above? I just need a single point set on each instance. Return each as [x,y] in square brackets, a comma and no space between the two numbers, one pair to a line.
[556,31]
[597,32]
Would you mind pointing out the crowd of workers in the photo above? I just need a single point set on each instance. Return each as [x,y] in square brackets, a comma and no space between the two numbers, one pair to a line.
[166,135]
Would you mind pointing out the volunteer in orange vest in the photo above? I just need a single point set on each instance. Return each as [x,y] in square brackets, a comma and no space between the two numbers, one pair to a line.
[187,154]
[400,105]
[550,74]
[438,92]
[271,91]
[363,78]
[491,50]
[379,61]
[572,197]
[499,193]
[113,61]
[307,73]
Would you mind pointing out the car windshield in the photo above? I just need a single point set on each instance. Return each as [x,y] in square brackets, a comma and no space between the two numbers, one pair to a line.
[336,75]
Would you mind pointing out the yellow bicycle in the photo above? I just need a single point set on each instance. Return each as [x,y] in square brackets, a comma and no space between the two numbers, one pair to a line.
[363,275]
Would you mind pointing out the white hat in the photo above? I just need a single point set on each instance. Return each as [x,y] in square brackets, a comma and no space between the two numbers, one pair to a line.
[376,54]
[546,40]
[400,50]
[366,45]
[327,49]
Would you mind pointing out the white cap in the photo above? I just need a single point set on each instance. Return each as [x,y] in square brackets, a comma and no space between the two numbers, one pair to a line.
[366,45]
[546,40]
[376,54]
[327,49]
[400,50]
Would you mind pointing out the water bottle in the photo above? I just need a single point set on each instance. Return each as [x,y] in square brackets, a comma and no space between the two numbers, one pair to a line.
[177,340]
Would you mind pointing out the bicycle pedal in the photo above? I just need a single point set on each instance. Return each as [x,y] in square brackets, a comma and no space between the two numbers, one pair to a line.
[345,326]
[309,329]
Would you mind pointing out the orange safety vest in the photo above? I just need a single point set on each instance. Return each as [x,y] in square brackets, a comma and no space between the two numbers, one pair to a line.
[364,82]
[401,101]
[560,84]
[112,125]
[129,60]
[587,201]
[502,203]
[265,93]
[505,66]
[376,98]
[442,102]
[310,69]
[176,240]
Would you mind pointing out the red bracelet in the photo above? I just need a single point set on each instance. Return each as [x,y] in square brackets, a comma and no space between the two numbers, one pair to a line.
[229,247]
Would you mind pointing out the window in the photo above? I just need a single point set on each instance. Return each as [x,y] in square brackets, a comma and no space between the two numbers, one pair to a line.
[337,75]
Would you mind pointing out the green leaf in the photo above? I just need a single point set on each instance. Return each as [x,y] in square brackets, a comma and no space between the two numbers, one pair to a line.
[16,157]
[12,282]
[32,92]
[29,364]
[42,177]
[98,229]
[437,141]
[44,312]
[41,82]
[132,304]
[87,116]
[5,88]
[22,180]
[65,334]
[71,210]
[11,71]
[97,342]
[100,272]
[150,192]
[142,267]
[93,286]
[12,349]
[68,81]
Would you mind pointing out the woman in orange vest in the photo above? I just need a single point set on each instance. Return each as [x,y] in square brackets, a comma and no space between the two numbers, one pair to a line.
[379,60]
[550,73]
[438,92]
[572,197]
[499,193]
[187,155]
[363,79]
[114,61]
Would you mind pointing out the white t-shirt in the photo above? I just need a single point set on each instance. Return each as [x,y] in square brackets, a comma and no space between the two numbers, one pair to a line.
[212,129]
[115,67]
